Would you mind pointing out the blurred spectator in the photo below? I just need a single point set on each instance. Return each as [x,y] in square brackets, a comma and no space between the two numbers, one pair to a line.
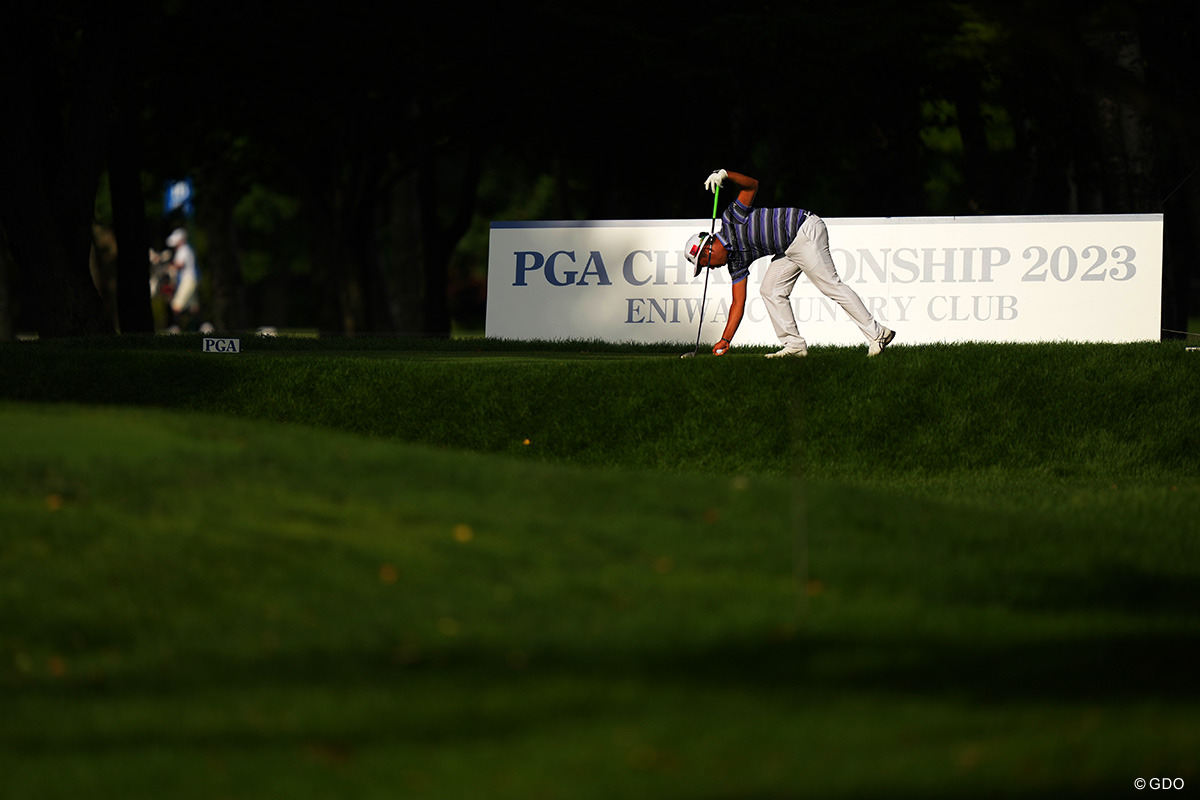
[174,274]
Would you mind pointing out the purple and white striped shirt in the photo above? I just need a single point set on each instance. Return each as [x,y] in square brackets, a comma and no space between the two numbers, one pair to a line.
[748,234]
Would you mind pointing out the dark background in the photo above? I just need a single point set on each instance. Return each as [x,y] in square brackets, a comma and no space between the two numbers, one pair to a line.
[348,158]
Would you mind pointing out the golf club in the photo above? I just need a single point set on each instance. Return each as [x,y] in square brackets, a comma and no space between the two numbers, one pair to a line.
[704,297]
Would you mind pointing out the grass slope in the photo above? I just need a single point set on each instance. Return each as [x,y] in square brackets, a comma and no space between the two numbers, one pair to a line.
[309,572]
[1044,410]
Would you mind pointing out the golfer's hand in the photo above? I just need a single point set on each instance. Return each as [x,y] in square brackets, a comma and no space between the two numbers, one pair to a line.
[715,180]
[722,347]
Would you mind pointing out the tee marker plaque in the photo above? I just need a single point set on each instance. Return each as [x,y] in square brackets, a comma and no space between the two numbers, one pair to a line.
[212,345]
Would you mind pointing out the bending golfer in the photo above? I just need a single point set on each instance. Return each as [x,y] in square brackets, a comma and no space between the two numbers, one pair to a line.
[798,242]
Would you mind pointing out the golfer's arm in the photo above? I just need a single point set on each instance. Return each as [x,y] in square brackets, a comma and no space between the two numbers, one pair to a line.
[747,187]
[735,310]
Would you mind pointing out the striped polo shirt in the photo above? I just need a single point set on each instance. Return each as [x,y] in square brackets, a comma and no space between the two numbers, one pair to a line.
[751,233]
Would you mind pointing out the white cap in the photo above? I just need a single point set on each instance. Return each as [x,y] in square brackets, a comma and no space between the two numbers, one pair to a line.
[695,245]
[693,248]
[177,237]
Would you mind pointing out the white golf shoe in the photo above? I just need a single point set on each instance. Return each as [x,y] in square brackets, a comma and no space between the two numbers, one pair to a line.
[798,352]
[883,341]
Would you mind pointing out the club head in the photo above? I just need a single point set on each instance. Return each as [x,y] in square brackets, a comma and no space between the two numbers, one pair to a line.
[689,355]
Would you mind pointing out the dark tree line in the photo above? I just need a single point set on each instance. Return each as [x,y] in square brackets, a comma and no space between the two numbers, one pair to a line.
[370,142]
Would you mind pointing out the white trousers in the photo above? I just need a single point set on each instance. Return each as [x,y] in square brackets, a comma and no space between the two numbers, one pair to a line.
[809,253]
[185,292]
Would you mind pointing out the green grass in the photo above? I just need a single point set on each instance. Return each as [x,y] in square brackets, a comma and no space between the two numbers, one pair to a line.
[335,569]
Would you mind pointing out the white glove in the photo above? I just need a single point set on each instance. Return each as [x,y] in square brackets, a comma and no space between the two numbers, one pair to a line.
[715,180]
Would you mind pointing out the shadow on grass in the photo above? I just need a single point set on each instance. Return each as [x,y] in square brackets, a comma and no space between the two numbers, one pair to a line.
[1110,669]
[350,701]
[802,670]
[1110,588]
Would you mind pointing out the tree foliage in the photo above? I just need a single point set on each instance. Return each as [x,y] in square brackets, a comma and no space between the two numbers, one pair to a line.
[391,137]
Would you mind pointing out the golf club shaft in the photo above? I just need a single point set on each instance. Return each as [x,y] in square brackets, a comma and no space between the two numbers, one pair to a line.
[704,297]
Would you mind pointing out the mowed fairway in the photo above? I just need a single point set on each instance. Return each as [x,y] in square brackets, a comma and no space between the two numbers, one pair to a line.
[475,570]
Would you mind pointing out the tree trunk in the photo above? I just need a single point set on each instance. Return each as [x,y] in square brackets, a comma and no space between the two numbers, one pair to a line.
[438,240]
[1124,132]
[129,223]
[216,188]
[8,283]
[48,199]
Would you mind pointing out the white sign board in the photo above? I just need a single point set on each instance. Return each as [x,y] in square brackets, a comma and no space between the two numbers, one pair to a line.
[945,279]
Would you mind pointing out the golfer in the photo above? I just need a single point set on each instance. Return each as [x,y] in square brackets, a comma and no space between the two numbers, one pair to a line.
[185,302]
[798,242]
